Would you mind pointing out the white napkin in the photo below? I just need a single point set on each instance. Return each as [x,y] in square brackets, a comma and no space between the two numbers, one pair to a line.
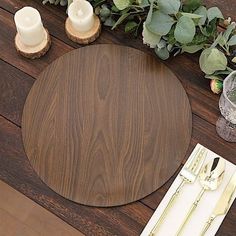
[183,202]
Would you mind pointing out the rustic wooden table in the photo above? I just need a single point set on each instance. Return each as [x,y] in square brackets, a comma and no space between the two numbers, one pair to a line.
[16,79]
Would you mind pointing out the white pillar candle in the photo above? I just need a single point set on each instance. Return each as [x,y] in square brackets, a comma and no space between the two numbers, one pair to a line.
[81,15]
[29,26]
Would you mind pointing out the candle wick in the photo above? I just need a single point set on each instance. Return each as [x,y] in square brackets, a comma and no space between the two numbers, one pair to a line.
[80,13]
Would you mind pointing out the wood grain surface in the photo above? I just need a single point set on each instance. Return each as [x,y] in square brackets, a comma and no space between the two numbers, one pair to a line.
[18,75]
[106,125]
[21,216]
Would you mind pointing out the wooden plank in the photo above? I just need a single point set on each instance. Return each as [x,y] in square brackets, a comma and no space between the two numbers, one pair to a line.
[14,86]
[203,102]
[21,216]
[16,170]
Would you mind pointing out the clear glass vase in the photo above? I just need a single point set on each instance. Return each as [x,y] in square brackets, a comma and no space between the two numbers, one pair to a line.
[226,124]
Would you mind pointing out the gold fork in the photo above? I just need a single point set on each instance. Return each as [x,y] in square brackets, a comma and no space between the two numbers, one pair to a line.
[188,174]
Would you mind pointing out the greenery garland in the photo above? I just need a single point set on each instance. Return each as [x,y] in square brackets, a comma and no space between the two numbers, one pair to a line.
[172,27]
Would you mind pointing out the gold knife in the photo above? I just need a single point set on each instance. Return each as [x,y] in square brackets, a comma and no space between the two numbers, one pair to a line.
[223,204]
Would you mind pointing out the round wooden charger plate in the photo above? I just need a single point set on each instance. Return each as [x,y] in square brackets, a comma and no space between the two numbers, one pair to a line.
[106,125]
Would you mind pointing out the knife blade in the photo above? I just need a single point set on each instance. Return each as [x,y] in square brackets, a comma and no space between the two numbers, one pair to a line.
[223,204]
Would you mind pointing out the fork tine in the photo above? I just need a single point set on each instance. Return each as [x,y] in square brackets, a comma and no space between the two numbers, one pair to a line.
[193,166]
[197,165]
[191,161]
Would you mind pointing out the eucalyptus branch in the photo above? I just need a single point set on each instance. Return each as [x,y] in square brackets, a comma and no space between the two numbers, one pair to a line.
[174,26]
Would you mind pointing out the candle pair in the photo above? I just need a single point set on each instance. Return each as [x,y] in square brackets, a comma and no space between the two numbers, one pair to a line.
[30,28]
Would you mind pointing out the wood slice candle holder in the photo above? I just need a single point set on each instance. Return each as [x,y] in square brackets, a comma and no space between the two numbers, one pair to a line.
[83,37]
[33,52]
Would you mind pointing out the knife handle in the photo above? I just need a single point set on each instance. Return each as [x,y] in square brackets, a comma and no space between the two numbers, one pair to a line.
[169,205]
[207,225]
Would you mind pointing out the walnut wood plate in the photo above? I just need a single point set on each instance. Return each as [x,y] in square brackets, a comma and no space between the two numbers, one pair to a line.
[106,125]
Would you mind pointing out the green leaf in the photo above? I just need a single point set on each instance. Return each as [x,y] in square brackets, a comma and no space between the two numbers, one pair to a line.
[149,15]
[211,28]
[162,53]
[203,12]
[191,5]
[125,11]
[169,6]
[121,4]
[105,12]
[120,20]
[130,18]
[213,77]
[214,12]
[228,31]
[192,48]
[69,2]
[114,9]
[191,15]
[218,40]
[222,42]
[161,44]
[211,60]
[232,41]
[97,3]
[149,38]
[225,72]
[169,47]
[199,38]
[143,3]
[63,3]
[109,22]
[171,37]
[184,30]
[160,23]
[130,25]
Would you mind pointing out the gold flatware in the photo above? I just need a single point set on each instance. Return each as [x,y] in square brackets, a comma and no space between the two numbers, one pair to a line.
[211,177]
[223,203]
[188,174]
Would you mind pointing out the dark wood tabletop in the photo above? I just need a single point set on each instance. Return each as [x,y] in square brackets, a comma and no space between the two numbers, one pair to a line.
[17,76]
